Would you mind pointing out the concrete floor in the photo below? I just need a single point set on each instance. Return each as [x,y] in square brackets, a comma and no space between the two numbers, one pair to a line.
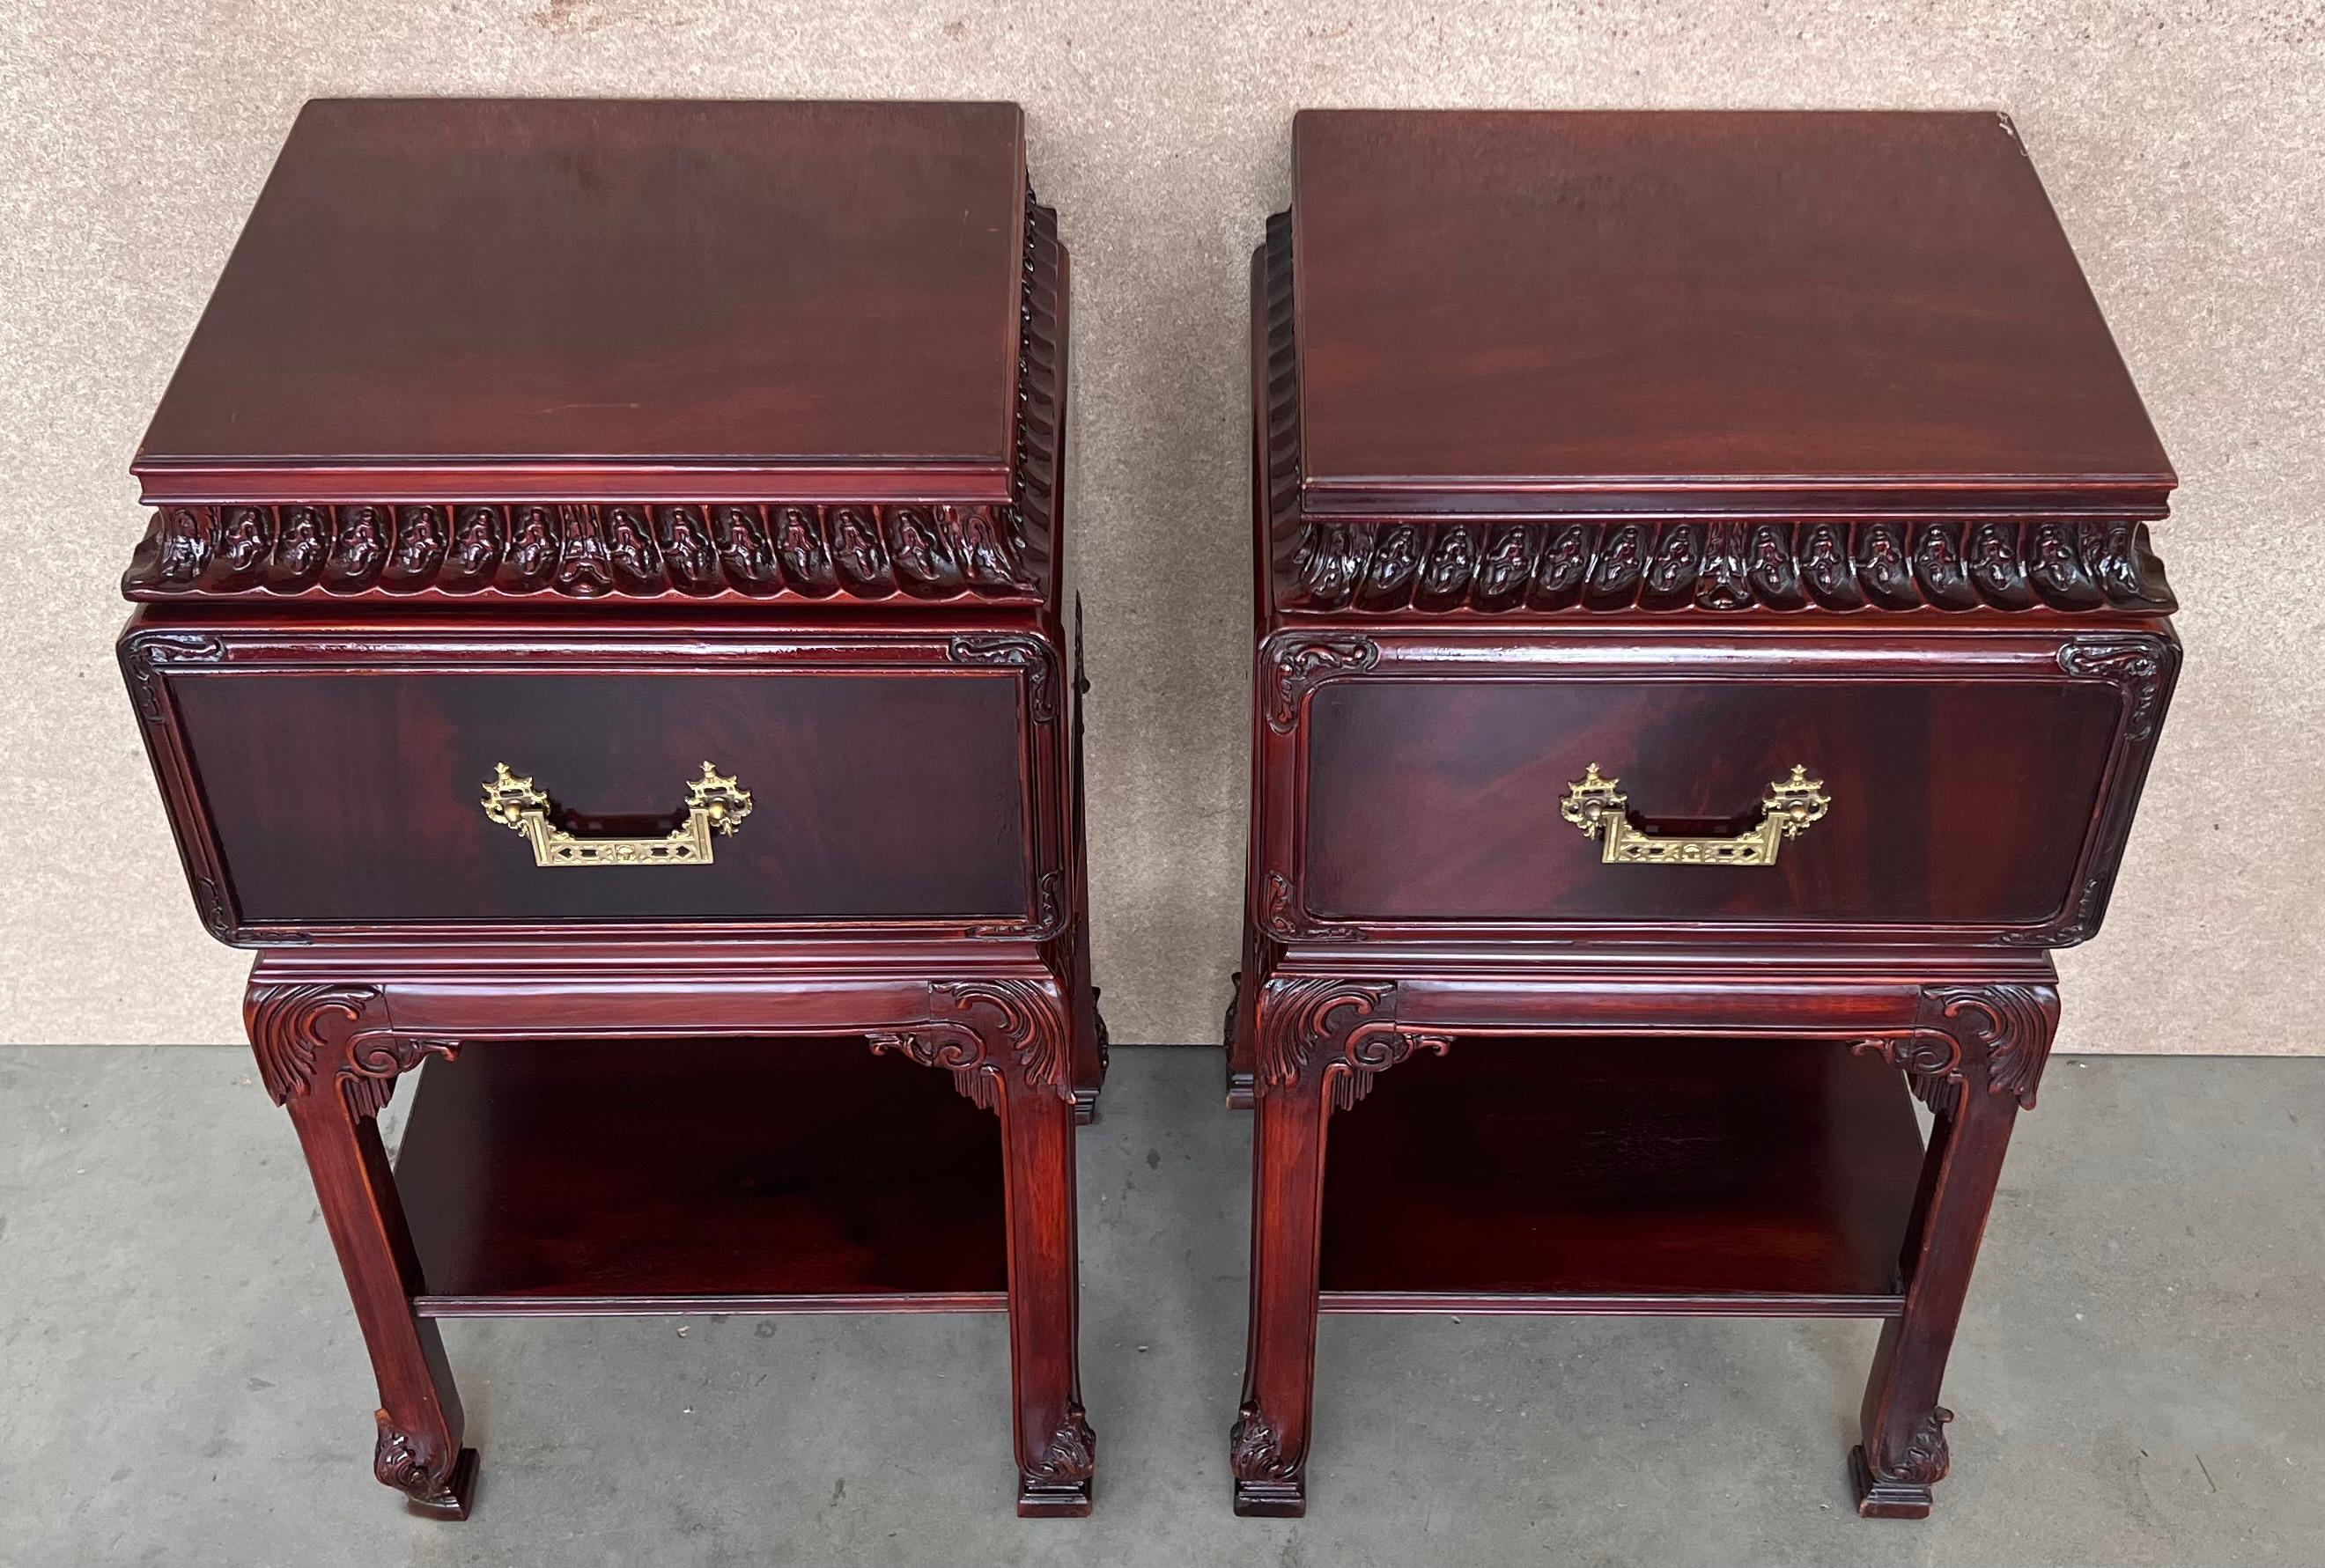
[2140,1379]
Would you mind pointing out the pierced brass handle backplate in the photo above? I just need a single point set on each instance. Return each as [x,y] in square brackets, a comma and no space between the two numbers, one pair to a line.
[712,801]
[1603,812]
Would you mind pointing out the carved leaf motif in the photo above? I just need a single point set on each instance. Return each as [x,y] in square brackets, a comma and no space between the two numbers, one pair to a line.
[954,1047]
[2135,664]
[1286,919]
[293,1027]
[1926,1459]
[1072,1456]
[2011,1025]
[412,1465]
[1298,665]
[1255,1448]
[149,653]
[1030,654]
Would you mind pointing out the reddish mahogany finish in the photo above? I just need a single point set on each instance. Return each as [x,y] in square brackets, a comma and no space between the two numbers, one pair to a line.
[1684,445]
[604,440]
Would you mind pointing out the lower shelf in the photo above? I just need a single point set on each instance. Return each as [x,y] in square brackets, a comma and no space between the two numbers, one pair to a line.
[572,1178]
[1748,1177]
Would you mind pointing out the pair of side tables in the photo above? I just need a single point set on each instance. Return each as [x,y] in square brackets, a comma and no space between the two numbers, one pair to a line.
[604,634]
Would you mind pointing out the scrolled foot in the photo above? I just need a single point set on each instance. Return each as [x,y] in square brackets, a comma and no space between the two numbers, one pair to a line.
[432,1489]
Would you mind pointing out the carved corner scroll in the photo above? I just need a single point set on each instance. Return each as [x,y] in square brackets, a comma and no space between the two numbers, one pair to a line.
[1016,651]
[340,1031]
[148,654]
[1297,665]
[1342,1033]
[2135,665]
[1286,919]
[979,1029]
[2001,1032]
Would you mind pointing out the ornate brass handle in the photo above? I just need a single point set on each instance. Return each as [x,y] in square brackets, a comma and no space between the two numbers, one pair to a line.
[1602,812]
[712,801]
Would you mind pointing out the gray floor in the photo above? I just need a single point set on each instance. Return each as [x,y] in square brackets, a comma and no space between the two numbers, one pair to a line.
[2140,1378]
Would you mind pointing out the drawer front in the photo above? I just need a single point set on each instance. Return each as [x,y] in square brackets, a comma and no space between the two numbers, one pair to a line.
[350,797]
[1992,802]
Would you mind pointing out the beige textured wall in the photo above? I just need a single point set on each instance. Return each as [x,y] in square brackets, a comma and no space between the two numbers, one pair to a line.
[2185,155]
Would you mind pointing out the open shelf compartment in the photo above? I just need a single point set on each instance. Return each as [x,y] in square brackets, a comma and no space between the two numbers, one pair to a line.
[559,1178]
[1742,1177]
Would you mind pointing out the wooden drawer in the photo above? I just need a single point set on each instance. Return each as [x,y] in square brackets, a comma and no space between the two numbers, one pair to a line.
[332,787]
[1976,788]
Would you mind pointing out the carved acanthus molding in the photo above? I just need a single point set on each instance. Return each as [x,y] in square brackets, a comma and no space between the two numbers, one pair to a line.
[1547,565]
[1016,650]
[583,550]
[586,549]
[296,1030]
[2008,1027]
[1297,665]
[1900,565]
[976,1026]
[1344,1030]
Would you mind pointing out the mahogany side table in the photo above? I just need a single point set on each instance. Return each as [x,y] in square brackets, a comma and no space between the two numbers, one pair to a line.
[1709,655]
[603,621]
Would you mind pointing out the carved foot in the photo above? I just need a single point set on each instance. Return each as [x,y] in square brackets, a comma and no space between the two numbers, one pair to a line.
[1877,1499]
[432,1489]
[1268,1485]
[451,1498]
[1059,1487]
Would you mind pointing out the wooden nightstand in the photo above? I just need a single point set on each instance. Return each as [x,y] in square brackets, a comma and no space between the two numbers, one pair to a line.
[602,620]
[1708,653]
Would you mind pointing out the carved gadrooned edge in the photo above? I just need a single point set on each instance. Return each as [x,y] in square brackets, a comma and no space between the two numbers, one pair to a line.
[1298,664]
[1944,564]
[1016,651]
[975,1025]
[1286,918]
[583,550]
[1069,1458]
[2008,1026]
[1549,565]
[296,1030]
[1345,1030]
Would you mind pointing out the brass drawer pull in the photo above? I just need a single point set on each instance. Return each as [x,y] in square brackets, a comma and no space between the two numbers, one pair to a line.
[1785,811]
[712,801]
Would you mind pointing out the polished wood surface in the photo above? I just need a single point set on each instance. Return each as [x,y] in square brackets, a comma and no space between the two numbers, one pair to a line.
[355,798]
[609,1175]
[1695,446]
[604,440]
[460,286]
[1624,1174]
[1608,302]
[1439,800]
